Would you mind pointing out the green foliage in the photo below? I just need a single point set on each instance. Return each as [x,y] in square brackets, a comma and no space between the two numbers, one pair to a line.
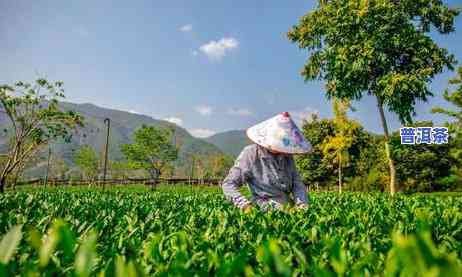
[374,180]
[449,183]
[210,166]
[455,127]
[313,167]
[87,161]
[151,150]
[119,170]
[454,98]
[419,251]
[34,120]
[58,168]
[183,232]
[342,139]
[219,165]
[422,167]
[378,47]
[33,108]
[381,47]
[9,243]
[94,132]
[336,147]
[85,258]
[317,167]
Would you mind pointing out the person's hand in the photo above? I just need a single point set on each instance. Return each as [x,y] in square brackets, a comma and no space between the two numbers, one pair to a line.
[247,208]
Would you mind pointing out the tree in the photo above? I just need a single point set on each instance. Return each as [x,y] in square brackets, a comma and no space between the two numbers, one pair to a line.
[208,165]
[18,172]
[87,161]
[194,158]
[199,168]
[151,150]
[318,166]
[423,167]
[212,165]
[371,165]
[168,171]
[58,168]
[119,169]
[314,168]
[336,146]
[35,120]
[219,165]
[378,47]
[455,127]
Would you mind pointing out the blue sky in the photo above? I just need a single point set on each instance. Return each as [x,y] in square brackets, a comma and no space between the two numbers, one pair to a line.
[209,66]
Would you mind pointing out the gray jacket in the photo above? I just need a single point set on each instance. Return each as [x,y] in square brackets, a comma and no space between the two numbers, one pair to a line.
[272,179]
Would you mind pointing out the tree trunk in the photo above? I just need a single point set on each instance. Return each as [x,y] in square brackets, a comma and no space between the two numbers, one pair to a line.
[2,184]
[155,173]
[340,172]
[391,163]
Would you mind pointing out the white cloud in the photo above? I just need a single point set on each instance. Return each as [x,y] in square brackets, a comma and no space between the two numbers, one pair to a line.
[216,50]
[204,110]
[186,28]
[201,133]
[239,112]
[301,115]
[175,120]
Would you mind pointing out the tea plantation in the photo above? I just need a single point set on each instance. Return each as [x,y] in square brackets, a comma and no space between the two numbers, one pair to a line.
[183,231]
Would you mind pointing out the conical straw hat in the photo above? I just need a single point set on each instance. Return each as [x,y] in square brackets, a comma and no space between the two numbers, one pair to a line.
[279,134]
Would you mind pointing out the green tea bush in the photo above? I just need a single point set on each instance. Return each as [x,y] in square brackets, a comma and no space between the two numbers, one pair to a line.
[195,232]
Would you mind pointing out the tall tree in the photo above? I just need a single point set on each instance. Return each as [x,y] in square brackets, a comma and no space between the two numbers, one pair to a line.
[34,120]
[200,170]
[87,161]
[151,150]
[315,168]
[378,47]
[219,165]
[194,159]
[337,146]
[58,168]
[319,166]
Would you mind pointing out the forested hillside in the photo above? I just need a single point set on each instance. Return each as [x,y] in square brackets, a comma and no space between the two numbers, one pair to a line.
[123,124]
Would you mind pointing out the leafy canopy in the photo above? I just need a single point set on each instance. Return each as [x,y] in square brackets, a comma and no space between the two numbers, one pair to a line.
[87,160]
[424,167]
[318,165]
[34,113]
[381,47]
[336,146]
[34,120]
[454,98]
[151,149]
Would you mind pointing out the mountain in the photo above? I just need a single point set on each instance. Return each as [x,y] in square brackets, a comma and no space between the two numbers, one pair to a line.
[230,142]
[123,124]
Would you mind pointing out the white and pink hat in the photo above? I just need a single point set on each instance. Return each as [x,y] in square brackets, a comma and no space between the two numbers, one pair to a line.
[280,134]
